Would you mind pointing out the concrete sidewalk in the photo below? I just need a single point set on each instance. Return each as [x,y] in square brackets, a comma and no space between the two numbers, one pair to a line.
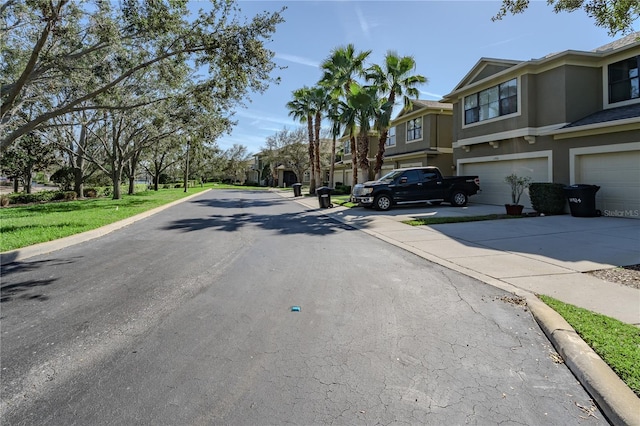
[528,256]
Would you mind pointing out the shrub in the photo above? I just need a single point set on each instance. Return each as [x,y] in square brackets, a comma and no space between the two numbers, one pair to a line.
[70,195]
[36,197]
[164,178]
[342,189]
[177,185]
[547,198]
[90,192]
[518,184]
[64,178]
[97,180]
[166,186]
[4,200]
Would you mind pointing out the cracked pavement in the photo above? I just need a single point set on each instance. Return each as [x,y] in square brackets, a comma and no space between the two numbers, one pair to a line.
[184,318]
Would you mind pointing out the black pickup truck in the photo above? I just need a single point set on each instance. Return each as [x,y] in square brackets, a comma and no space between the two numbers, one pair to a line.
[415,185]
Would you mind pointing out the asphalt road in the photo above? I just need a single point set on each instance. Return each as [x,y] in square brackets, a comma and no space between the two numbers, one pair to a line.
[185,318]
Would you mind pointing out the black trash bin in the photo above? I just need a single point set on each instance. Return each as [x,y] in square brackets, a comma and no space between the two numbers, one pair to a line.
[297,189]
[324,197]
[582,200]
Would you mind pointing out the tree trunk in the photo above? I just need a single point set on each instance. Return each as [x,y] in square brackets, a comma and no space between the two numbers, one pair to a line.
[28,179]
[332,165]
[132,185]
[115,179]
[312,156]
[316,145]
[78,185]
[16,184]
[363,160]
[382,143]
[186,169]
[354,161]
[78,166]
[312,177]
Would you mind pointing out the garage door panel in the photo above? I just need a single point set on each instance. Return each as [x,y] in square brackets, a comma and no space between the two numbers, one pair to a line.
[617,174]
[492,174]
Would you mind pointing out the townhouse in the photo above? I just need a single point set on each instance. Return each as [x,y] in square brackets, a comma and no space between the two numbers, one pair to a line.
[571,117]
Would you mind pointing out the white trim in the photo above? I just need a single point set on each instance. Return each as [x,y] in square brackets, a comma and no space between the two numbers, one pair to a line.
[509,134]
[500,117]
[602,149]
[510,157]
[605,86]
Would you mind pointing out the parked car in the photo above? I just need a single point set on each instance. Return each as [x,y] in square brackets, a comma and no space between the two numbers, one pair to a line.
[415,185]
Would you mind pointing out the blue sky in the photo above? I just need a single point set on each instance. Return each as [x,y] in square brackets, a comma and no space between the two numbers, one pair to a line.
[446,38]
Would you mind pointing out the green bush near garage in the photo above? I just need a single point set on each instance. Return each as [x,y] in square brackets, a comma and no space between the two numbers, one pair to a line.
[547,198]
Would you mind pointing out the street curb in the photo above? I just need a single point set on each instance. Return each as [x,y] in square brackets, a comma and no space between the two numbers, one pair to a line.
[20,254]
[615,399]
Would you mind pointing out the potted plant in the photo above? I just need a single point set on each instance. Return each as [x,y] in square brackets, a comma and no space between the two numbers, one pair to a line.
[518,185]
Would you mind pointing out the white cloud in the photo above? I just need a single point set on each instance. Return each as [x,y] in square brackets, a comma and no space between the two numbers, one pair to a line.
[433,95]
[258,116]
[364,26]
[298,60]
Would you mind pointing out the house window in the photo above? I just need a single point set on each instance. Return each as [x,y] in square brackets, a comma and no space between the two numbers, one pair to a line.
[492,102]
[624,83]
[391,137]
[414,129]
[347,147]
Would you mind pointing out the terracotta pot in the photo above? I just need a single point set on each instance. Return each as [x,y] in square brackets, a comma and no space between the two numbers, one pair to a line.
[514,209]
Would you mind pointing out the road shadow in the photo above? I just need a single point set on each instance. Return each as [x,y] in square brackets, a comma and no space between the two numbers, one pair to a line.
[243,213]
[27,289]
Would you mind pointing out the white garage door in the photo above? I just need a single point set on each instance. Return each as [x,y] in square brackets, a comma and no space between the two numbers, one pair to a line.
[492,174]
[618,175]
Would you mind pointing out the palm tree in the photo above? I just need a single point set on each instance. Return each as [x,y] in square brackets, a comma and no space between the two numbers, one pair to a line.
[333,114]
[366,108]
[320,99]
[301,108]
[340,70]
[394,80]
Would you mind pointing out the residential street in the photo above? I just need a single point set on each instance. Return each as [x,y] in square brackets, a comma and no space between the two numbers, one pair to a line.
[185,318]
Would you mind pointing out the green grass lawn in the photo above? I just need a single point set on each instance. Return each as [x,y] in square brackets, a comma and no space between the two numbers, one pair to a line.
[617,343]
[441,220]
[22,226]
[342,200]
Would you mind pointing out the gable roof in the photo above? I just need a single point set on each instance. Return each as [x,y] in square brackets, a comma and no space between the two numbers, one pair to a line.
[608,115]
[481,71]
[420,105]
[617,44]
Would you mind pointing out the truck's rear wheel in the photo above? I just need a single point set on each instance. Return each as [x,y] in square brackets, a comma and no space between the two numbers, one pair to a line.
[459,199]
[382,202]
